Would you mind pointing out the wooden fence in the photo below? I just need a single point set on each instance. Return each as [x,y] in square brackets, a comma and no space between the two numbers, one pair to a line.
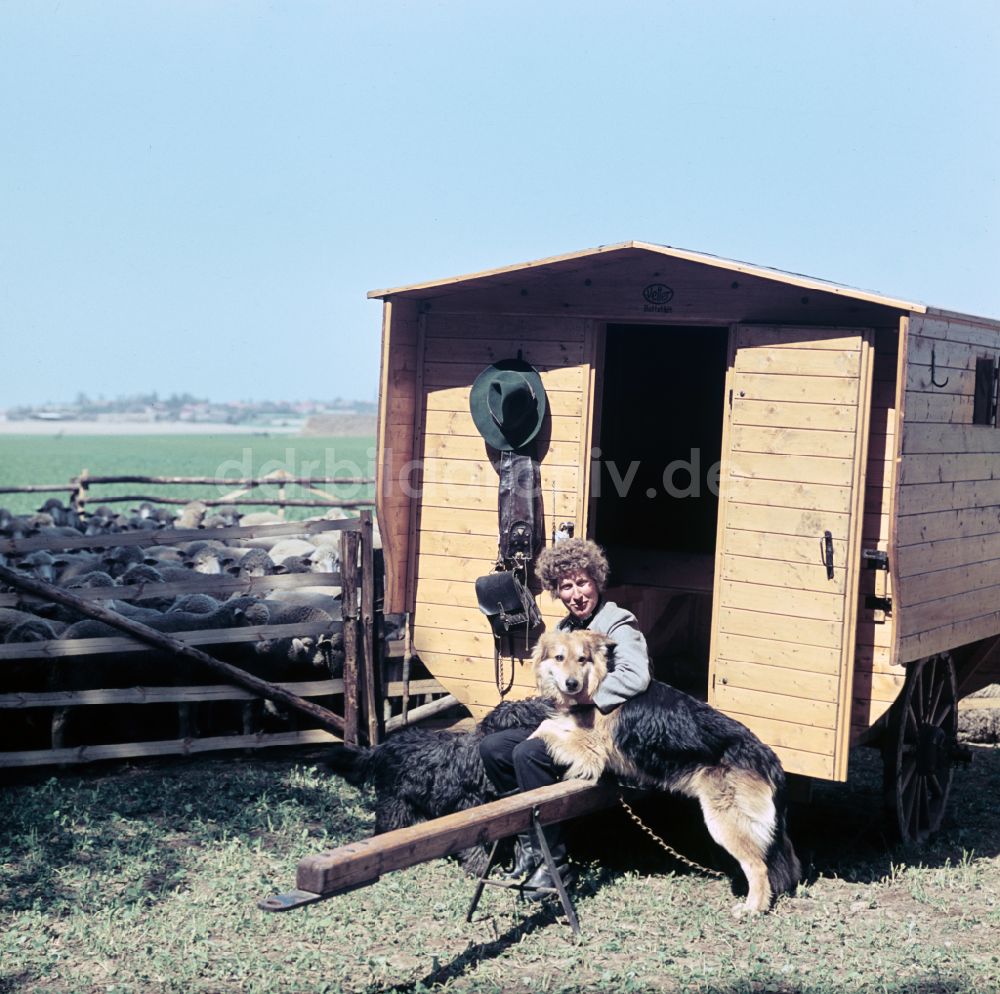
[359,694]
[79,493]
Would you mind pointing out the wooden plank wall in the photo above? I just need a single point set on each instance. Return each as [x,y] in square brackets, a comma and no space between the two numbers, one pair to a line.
[456,521]
[877,679]
[396,420]
[948,529]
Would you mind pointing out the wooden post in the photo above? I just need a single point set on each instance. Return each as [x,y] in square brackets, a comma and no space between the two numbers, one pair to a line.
[78,498]
[370,682]
[57,720]
[151,636]
[349,600]
[429,710]
[187,726]
[407,663]
[248,717]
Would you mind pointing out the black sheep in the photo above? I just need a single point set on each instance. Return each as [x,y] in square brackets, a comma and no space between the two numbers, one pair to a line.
[419,774]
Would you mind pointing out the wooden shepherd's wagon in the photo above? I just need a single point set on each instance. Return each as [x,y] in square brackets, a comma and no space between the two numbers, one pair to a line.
[796,481]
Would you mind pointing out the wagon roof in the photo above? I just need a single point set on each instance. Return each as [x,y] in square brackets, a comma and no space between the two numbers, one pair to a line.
[572,260]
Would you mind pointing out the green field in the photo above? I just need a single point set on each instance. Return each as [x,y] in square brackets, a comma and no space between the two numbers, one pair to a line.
[56,459]
[129,879]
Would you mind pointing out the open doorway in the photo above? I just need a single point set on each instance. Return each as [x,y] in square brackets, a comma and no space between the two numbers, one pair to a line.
[655,497]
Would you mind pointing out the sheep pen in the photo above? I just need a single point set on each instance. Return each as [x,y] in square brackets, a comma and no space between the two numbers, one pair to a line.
[269,597]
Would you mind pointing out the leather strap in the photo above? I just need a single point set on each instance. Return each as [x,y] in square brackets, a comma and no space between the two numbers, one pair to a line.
[517,498]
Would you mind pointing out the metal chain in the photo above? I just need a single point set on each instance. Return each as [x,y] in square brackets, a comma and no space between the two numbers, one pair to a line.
[500,566]
[664,845]
[498,667]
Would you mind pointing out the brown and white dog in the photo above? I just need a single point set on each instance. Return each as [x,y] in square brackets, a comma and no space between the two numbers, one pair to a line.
[668,740]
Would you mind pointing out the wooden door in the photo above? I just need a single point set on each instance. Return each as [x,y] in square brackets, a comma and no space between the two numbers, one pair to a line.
[791,492]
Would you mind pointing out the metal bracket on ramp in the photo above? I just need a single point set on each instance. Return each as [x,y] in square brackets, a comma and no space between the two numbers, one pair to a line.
[289,900]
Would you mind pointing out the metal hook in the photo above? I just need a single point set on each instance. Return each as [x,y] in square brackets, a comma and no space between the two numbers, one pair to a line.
[934,382]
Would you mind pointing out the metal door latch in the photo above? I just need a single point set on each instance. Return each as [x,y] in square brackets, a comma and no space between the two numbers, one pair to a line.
[828,554]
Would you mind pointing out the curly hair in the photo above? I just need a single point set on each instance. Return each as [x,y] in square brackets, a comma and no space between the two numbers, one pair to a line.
[572,555]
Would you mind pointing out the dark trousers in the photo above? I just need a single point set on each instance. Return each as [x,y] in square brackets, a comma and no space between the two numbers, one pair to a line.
[515,762]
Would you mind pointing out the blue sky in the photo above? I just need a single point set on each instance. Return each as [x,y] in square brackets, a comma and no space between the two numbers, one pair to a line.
[197,195]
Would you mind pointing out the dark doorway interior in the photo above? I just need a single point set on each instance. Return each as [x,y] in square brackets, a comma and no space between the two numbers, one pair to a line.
[661,438]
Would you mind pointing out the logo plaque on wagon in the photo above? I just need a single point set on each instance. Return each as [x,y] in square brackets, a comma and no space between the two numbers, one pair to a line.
[657,297]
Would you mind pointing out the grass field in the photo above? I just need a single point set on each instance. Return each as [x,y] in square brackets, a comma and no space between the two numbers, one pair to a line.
[144,879]
[56,459]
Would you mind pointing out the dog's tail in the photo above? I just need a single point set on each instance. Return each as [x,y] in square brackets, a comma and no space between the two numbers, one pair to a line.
[783,868]
[353,763]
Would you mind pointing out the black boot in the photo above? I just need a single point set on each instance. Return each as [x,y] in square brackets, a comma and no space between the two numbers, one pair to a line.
[527,856]
[535,886]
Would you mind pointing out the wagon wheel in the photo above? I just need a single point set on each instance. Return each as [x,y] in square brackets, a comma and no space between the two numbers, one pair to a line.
[920,748]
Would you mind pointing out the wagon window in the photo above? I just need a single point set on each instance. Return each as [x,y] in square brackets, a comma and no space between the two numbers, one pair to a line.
[984,406]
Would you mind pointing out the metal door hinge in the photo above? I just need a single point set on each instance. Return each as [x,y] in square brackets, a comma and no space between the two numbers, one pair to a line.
[875,559]
[875,603]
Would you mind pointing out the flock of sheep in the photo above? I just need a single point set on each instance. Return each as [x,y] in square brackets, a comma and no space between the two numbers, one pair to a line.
[125,566]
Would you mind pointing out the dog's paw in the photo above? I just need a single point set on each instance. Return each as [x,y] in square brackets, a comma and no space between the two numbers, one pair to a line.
[744,910]
[583,771]
[551,729]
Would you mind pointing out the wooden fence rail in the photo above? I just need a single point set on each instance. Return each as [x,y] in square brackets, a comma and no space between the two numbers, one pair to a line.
[230,501]
[68,755]
[199,584]
[176,695]
[174,536]
[135,642]
[78,489]
[220,481]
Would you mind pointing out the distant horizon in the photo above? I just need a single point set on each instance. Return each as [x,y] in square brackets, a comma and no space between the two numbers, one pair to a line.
[340,403]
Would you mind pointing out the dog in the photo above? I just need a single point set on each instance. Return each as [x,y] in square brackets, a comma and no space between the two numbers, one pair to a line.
[419,774]
[668,740]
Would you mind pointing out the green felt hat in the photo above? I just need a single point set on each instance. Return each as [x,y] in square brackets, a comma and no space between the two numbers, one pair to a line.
[508,404]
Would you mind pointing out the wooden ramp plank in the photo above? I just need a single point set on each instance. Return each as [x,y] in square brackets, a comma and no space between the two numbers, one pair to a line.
[359,863]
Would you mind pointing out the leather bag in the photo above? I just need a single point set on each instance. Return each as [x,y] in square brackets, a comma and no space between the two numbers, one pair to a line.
[507,604]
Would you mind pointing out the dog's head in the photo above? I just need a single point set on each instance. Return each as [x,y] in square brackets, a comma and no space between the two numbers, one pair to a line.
[569,666]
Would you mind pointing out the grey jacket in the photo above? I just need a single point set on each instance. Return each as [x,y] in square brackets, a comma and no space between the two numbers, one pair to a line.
[631,673]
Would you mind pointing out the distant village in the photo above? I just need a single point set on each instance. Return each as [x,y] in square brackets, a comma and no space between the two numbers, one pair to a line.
[181,408]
